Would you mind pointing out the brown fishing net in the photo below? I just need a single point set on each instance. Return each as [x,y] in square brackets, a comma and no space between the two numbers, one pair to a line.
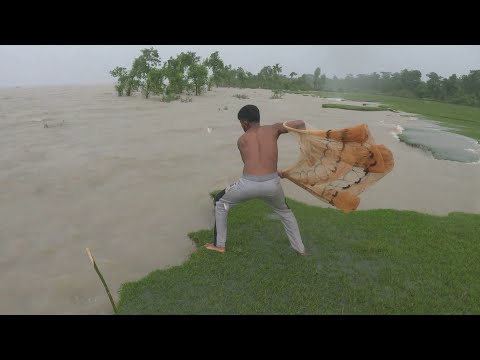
[337,165]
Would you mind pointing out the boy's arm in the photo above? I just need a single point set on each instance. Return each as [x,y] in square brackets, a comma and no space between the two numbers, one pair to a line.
[296,124]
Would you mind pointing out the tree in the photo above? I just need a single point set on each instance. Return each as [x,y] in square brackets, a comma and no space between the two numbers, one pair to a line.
[131,84]
[185,62]
[277,69]
[173,71]
[198,73]
[155,79]
[396,83]
[265,77]
[122,75]
[215,63]
[227,76]
[323,80]
[375,81]
[385,81]
[471,86]
[349,81]
[293,74]
[410,81]
[241,77]
[434,85]
[188,59]
[451,86]
[307,81]
[142,66]
[317,82]
[276,74]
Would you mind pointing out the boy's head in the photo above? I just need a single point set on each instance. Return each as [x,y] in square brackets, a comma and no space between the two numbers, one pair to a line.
[249,116]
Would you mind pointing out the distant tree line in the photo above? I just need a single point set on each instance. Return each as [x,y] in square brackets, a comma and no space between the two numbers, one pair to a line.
[408,83]
[187,73]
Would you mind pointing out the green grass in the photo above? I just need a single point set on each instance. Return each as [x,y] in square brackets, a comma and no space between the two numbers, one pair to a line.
[366,262]
[354,107]
[465,120]
[277,94]
[170,97]
[240,96]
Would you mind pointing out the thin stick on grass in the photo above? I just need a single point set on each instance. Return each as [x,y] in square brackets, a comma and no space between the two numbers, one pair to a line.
[103,280]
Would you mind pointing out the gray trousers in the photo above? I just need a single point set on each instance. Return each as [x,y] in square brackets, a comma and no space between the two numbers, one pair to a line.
[267,188]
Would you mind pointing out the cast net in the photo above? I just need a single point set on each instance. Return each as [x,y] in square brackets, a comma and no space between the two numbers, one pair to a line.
[337,165]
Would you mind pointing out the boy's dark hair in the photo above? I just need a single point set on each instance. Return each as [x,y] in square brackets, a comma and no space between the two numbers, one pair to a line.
[249,113]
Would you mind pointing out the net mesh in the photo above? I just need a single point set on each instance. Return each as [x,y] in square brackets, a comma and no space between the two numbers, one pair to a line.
[337,165]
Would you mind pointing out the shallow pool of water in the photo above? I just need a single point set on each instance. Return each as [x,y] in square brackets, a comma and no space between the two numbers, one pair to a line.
[441,143]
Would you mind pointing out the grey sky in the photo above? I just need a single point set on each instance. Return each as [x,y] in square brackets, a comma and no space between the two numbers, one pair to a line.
[88,64]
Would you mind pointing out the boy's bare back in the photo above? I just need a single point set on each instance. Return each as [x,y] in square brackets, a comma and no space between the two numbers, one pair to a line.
[259,150]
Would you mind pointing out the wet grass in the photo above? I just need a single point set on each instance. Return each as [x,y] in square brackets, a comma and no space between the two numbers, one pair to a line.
[354,107]
[240,96]
[366,262]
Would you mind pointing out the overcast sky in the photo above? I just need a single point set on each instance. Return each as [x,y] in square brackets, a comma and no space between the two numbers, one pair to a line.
[89,64]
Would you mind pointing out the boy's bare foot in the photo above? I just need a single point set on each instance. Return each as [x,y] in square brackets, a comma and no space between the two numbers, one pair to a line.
[300,253]
[216,248]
